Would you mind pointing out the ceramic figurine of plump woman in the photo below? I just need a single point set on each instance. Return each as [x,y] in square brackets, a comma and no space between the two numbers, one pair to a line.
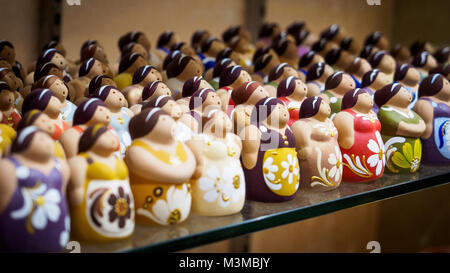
[316,78]
[181,69]
[262,67]
[33,209]
[276,75]
[160,168]
[383,62]
[231,78]
[8,52]
[424,62]
[292,91]
[100,199]
[401,129]
[128,65]
[434,108]
[317,146]
[359,138]
[150,91]
[144,75]
[269,158]
[15,85]
[189,88]
[10,115]
[88,70]
[335,88]
[357,69]
[218,184]
[409,78]
[307,60]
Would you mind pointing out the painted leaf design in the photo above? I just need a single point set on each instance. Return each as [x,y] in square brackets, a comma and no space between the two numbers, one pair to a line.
[400,160]
[418,149]
[408,152]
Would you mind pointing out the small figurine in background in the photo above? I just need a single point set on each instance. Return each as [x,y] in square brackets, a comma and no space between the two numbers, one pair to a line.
[33,209]
[129,64]
[57,58]
[336,86]
[181,69]
[99,81]
[401,129]
[339,59]
[7,135]
[7,52]
[100,199]
[443,69]
[150,91]
[442,55]
[317,146]
[266,34]
[333,34]
[15,85]
[374,80]
[165,42]
[359,138]
[92,49]
[383,62]
[160,168]
[45,101]
[409,78]
[424,62]
[378,40]
[203,99]
[276,75]
[306,61]
[420,46]
[120,114]
[9,113]
[350,45]
[218,183]
[246,96]
[357,69]
[88,70]
[262,67]
[210,48]
[323,46]
[287,52]
[230,78]
[189,88]
[133,47]
[269,158]
[218,68]
[316,78]
[142,77]
[401,54]
[292,91]
[229,53]
[60,90]
[434,108]
[187,125]
[198,37]
[242,47]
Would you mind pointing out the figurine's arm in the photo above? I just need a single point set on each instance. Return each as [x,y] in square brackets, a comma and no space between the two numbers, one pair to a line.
[412,130]
[78,168]
[250,137]
[8,183]
[65,171]
[69,141]
[240,118]
[133,95]
[302,132]
[346,134]
[425,110]
[196,146]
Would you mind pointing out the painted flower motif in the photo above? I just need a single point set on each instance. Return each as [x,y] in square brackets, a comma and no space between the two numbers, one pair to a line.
[290,168]
[336,160]
[172,211]
[333,100]
[120,207]
[378,158]
[64,236]
[410,159]
[235,181]
[372,117]
[269,169]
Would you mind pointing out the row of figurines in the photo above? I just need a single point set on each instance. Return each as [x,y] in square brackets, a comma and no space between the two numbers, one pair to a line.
[162,177]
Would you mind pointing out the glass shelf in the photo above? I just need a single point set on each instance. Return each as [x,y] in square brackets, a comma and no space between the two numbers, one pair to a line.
[256,216]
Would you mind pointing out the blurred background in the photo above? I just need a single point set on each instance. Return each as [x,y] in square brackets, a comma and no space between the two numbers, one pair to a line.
[409,223]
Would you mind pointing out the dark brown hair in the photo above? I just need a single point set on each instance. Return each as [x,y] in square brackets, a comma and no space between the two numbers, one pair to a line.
[431,85]
[373,38]
[229,75]
[306,59]
[197,36]
[86,110]
[103,92]
[417,47]
[280,46]
[267,29]
[263,108]
[443,69]
[224,53]
[4,43]
[369,77]
[88,52]
[47,56]
[441,55]
[332,56]
[144,122]
[177,65]
[334,80]
[130,37]
[376,58]
[420,60]
[190,86]
[260,52]
[319,45]
[142,72]
[202,94]
[310,107]
[315,71]
[401,71]
[383,95]
[37,99]
[85,67]
[177,46]
[277,71]
[4,86]
[286,87]
[90,136]
[351,98]
[241,94]
[230,33]
[295,27]
[86,44]
[164,38]
[28,119]
[170,57]
[220,66]
[24,138]
[366,51]
[330,32]
[354,66]
[262,62]
[128,60]
[157,102]
[206,45]
[43,70]
[346,42]
[149,89]
[96,82]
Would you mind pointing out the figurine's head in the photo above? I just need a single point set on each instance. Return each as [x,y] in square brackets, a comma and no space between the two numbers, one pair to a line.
[393,94]
[249,93]
[98,139]
[52,56]
[368,51]
[443,69]
[58,87]
[33,143]
[91,112]
[442,55]
[375,79]
[269,30]
[56,45]
[183,48]
[134,37]
[4,63]
[265,62]
[39,119]
[212,46]
[332,33]
[95,51]
[152,123]
[221,65]
[154,90]
[99,81]
[270,111]
[167,39]
[435,85]
[234,31]
[228,53]
[204,98]
[358,99]
[170,57]
[420,46]
[319,72]
[166,103]
[309,59]
[359,67]
[146,74]
[198,38]
[340,82]
[193,84]
[6,96]
[281,72]
[314,107]
[135,48]
[183,68]
[234,76]
[47,69]
[383,61]
[292,86]
[285,48]
[322,46]
[216,122]
[9,77]
[407,73]
[43,100]
[377,39]
[339,58]
[401,53]
[7,51]
[425,61]
[112,97]
[91,68]
[131,62]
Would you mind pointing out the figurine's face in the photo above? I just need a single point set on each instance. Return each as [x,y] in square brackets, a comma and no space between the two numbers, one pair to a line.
[364,66]
[57,72]
[41,146]
[300,88]
[413,75]
[140,61]
[192,69]
[44,123]
[5,63]
[115,99]
[188,50]
[431,62]
[102,115]
[13,82]
[279,116]
[216,47]
[347,83]
[382,79]
[161,90]
[152,76]
[6,99]
[164,128]
[445,88]
[287,72]
[140,49]
[59,89]
[173,109]
[402,99]
[97,69]
[324,109]
[243,78]
[212,100]
[291,51]
[107,142]
[327,72]
[143,40]
[59,61]
[9,54]
[258,94]
[387,63]
[54,107]
[364,101]
[204,84]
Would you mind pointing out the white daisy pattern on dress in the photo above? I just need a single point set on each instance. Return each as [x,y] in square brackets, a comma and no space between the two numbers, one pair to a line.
[269,171]
[290,168]
[378,158]
[335,160]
